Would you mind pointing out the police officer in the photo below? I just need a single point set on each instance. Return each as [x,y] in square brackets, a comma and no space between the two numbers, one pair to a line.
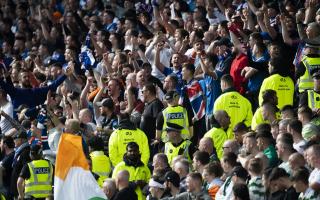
[176,145]
[176,114]
[311,98]
[237,106]
[127,132]
[100,162]
[309,64]
[35,176]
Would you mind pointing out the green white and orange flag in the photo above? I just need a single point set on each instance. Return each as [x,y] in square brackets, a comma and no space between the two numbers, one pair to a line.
[73,179]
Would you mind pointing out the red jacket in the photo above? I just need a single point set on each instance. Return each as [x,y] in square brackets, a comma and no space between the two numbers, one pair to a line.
[238,63]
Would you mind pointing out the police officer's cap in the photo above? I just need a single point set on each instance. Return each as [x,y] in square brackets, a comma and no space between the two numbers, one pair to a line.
[173,127]
[313,43]
[170,95]
[316,74]
[36,149]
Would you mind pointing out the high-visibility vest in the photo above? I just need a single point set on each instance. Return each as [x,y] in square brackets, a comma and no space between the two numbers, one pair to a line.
[219,136]
[313,99]
[135,173]
[176,115]
[305,81]
[39,185]
[100,165]
[172,151]
[237,106]
[283,86]
[118,142]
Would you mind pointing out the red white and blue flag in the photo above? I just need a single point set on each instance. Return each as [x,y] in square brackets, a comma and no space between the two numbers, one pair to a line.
[194,93]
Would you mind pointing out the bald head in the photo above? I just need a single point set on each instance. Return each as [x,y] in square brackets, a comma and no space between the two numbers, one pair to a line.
[206,144]
[72,126]
[231,146]
[122,179]
[220,114]
[131,78]
[109,187]
[85,115]
[222,118]
[296,160]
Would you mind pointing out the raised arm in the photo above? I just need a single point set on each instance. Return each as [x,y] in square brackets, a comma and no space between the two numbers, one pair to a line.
[270,30]
[284,30]
[205,68]
[260,21]
[220,6]
[311,11]
[97,98]
[252,7]
[157,62]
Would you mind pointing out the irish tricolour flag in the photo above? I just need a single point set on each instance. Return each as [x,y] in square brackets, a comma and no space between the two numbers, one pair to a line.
[73,180]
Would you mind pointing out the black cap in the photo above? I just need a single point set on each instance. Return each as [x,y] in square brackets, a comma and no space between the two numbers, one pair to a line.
[316,74]
[170,95]
[224,41]
[107,102]
[240,172]
[22,135]
[173,127]
[36,149]
[173,177]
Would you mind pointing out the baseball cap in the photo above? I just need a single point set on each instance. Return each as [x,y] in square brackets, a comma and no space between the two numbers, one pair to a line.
[107,102]
[173,177]
[22,135]
[240,172]
[170,95]
[154,183]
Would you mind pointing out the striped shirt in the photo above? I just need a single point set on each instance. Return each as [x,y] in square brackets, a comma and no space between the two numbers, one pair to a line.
[256,188]
[309,194]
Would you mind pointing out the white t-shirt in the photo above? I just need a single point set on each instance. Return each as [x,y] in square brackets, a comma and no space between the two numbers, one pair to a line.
[314,176]
[165,56]
[225,191]
[5,125]
[299,146]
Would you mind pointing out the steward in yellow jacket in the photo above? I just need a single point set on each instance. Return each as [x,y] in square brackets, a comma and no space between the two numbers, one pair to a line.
[280,81]
[139,172]
[238,107]
[101,165]
[127,132]
[220,131]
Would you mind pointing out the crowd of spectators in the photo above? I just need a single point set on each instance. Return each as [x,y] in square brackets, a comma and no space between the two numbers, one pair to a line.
[174,99]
